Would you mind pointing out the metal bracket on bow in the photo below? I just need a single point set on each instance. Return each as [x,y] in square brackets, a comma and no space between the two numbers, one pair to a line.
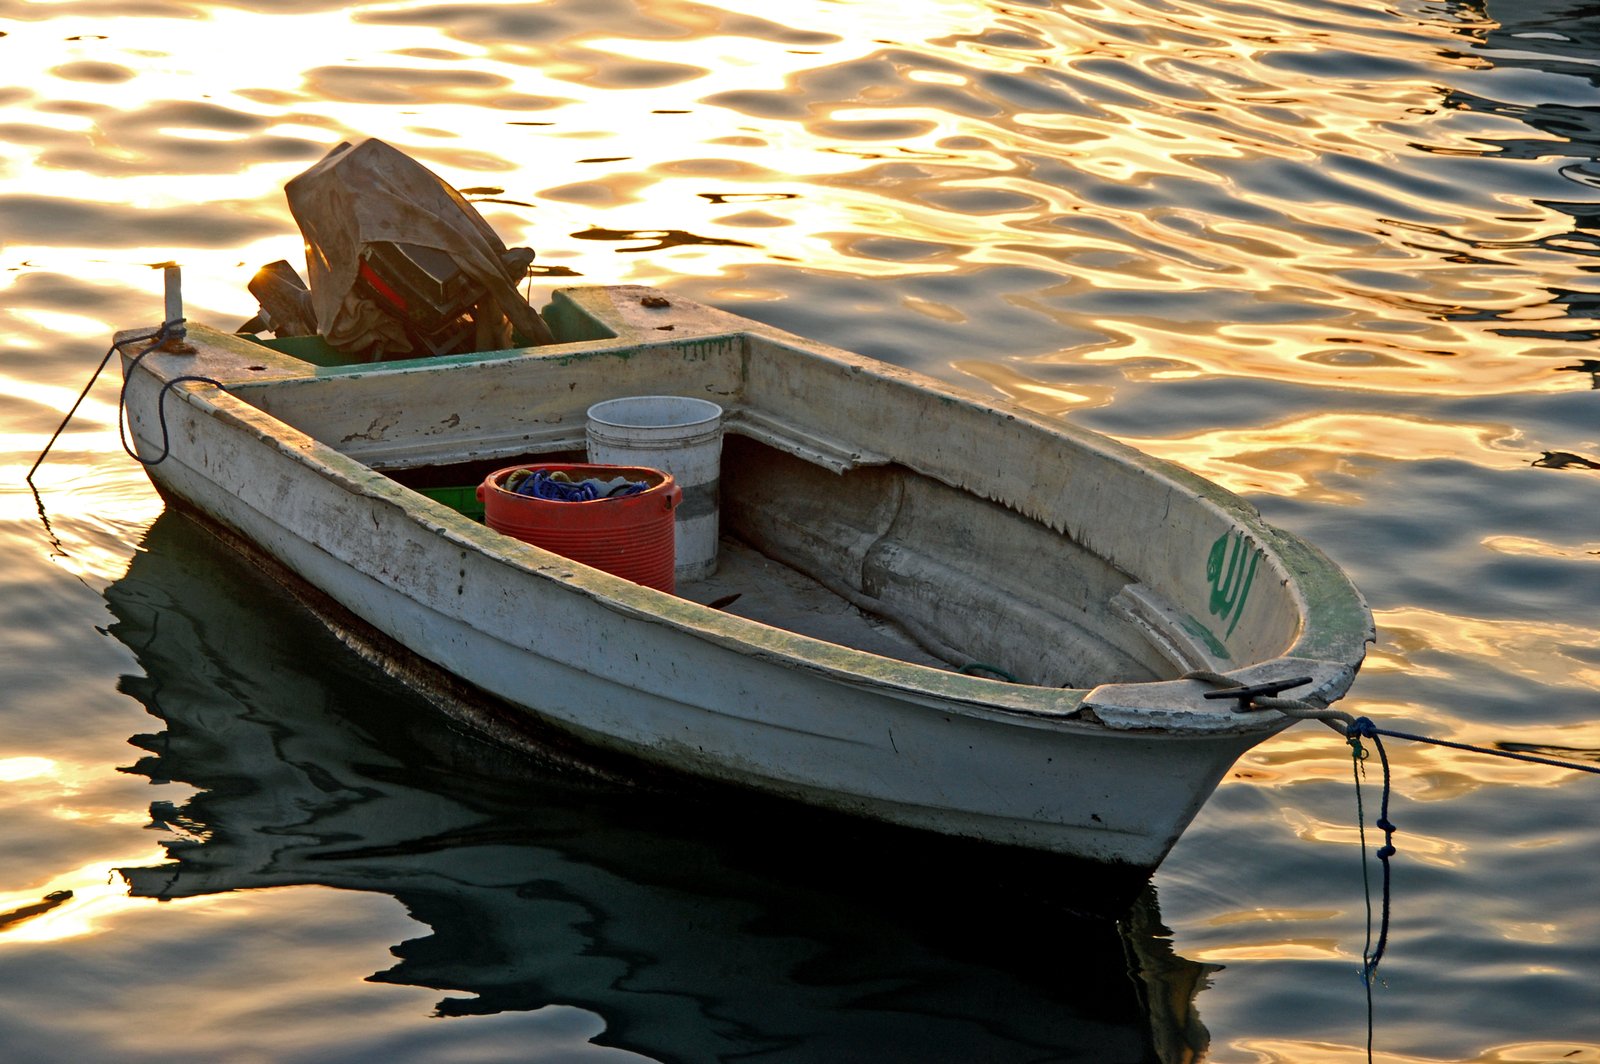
[1249,693]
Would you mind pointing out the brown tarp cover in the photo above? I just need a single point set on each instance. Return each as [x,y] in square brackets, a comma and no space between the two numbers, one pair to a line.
[369,193]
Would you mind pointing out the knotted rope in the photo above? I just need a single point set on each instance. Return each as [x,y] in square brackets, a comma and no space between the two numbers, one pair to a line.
[1354,729]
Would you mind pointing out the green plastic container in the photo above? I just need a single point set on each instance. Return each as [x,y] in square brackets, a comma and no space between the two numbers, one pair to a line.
[312,349]
[463,501]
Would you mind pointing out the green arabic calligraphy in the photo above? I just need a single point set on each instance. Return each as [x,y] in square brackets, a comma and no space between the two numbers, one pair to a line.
[1230,573]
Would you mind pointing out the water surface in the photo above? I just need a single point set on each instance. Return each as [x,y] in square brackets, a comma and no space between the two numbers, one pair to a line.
[1338,256]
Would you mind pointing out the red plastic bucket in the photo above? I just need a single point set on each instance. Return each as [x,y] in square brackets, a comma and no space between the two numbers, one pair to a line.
[630,536]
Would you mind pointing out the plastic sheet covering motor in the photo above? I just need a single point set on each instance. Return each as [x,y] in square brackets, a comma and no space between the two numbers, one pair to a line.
[400,264]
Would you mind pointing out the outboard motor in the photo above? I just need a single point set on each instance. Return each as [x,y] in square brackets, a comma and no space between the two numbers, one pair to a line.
[400,264]
[433,297]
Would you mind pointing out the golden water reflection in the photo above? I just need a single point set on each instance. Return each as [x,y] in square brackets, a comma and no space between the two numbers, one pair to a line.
[1425,773]
[1022,389]
[949,127]
[1420,847]
[1290,1051]
[1525,546]
[1284,196]
[1284,949]
[77,902]
[1271,916]
[16,769]
[1425,642]
[1326,457]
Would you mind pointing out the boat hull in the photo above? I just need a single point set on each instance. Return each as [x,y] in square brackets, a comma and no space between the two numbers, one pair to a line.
[632,671]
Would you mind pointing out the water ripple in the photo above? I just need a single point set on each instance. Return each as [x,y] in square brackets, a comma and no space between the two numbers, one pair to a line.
[1337,255]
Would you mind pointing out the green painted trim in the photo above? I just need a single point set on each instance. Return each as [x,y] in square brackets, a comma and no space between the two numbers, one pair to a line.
[347,369]
[1206,636]
[571,322]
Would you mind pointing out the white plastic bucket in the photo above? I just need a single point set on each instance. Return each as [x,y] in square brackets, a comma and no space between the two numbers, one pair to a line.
[682,436]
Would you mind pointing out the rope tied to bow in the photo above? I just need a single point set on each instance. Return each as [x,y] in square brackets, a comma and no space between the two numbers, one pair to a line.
[1355,729]
[167,338]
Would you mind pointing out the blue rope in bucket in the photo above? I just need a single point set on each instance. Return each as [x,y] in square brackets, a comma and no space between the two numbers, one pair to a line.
[542,484]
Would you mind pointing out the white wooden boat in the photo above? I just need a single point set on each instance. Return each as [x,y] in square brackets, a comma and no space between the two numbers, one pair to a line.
[884,532]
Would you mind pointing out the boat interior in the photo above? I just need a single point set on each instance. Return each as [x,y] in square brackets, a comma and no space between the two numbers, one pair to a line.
[887,561]
[820,533]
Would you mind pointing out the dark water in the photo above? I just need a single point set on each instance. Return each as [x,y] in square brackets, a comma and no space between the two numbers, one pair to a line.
[1340,257]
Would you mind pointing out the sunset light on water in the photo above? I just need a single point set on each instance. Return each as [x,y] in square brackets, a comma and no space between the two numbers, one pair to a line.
[1338,258]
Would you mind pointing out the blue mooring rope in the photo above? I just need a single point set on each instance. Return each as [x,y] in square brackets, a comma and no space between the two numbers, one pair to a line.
[1354,729]
[1511,754]
[1369,956]
[1364,728]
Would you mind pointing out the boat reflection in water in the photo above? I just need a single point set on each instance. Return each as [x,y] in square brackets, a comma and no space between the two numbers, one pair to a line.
[696,931]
